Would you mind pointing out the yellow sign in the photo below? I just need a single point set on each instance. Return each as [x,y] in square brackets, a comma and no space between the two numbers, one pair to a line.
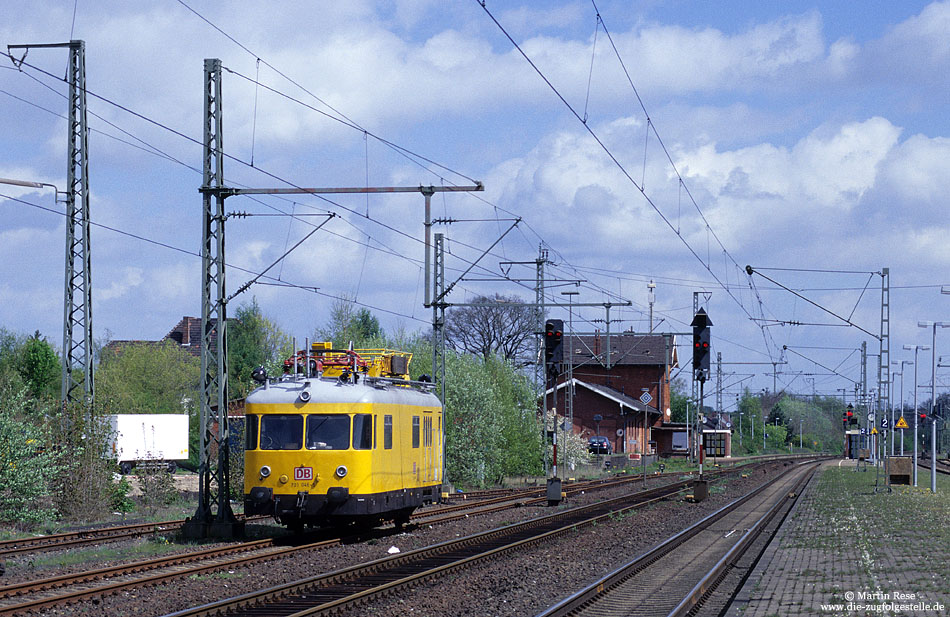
[874,431]
[902,423]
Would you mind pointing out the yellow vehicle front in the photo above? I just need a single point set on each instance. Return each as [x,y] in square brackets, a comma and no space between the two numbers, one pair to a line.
[330,450]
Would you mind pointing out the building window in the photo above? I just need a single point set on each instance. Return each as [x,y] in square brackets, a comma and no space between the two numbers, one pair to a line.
[715,444]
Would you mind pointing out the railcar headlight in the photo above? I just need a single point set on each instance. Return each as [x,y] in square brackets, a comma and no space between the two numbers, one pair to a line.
[305,396]
[341,471]
[265,471]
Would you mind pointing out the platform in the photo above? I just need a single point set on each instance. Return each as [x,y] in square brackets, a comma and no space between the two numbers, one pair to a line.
[846,549]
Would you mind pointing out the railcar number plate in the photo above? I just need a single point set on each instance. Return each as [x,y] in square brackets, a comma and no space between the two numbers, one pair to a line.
[303,473]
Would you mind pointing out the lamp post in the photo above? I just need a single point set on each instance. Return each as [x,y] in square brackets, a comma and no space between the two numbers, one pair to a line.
[933,398]
[915,349]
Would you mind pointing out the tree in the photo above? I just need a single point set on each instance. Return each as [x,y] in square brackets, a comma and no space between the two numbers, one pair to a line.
[39,366]
[148,378]
[11,382]
[751,419]
[254,340]
[502,325]
[679,400]
[348,324]
[491,424]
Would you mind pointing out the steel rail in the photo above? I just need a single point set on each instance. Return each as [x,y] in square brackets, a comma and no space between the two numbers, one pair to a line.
[176,560]
[72,539]
[111,588]
[436,560]
[715,575]
[600,588]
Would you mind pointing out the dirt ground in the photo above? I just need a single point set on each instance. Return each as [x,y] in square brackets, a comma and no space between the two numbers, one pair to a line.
[186,482]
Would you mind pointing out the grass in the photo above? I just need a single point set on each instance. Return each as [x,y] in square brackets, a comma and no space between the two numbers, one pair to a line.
[150,547]
[892,541]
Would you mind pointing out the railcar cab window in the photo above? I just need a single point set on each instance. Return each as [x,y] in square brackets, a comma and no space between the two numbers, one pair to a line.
[388,432]
[415,431]
[281,431]
[363,431]
[250,432]
[328,432]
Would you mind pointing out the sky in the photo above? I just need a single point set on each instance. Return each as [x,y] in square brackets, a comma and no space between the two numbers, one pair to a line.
[667,141]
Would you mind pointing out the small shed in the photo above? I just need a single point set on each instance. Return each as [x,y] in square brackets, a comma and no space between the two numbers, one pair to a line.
[717,443]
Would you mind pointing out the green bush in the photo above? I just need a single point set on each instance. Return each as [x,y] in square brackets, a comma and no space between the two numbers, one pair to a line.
[28,464]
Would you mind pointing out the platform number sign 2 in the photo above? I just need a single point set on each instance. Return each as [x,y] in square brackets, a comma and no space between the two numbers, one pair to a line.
[303,473]
[883,421]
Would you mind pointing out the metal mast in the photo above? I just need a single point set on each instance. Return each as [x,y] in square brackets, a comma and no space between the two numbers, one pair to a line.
[884,359]
[539,318]
[438,315]
[213,516]
[77,315]
[719,389]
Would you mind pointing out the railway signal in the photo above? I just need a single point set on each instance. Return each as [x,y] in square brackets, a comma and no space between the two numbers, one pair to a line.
[553,348]
[849,418]
[701,345]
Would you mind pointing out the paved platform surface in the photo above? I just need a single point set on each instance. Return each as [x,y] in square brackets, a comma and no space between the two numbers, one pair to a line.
[850,548]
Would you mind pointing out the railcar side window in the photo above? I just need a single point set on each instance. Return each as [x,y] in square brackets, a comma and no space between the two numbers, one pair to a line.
[281,432]
[362,431]
[328,432]
[250,432]
[388,432]
[415,431]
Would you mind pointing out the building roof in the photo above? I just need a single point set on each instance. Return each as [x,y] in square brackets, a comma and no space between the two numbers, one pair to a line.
[626,348]
[186,334]
[622,399]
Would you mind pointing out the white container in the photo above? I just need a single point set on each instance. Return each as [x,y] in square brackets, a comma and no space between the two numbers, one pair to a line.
[141,438]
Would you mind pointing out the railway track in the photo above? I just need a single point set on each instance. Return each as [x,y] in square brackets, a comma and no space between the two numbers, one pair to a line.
[356,585]
[675,577]
[73,539]
[943,465]
[59,590]
[63,589]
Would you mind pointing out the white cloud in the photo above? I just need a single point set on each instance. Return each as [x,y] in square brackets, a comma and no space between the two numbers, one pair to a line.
[120,284]
[916,178]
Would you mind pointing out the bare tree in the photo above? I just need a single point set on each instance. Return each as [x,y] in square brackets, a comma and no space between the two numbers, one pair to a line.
[501,325]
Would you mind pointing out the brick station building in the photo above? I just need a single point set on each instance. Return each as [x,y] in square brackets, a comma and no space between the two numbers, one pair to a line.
[611,377]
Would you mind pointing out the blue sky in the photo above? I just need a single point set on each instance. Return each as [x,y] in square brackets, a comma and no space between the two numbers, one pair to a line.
[809,135]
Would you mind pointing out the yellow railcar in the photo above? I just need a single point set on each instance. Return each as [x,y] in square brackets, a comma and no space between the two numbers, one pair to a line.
[344,437]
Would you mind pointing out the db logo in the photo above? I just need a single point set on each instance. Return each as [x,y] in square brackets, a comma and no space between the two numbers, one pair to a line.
[303,473]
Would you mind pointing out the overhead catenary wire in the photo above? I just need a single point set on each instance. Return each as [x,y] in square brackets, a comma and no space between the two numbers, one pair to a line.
[620,166]
[410,155]
[271,281]
[729,283]
[224,154]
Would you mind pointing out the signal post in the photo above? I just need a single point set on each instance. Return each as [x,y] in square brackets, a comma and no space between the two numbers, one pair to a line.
[553,356]
[701,355]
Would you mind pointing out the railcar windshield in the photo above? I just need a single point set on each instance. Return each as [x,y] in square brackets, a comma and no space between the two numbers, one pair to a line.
[281,431]
[328,432]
